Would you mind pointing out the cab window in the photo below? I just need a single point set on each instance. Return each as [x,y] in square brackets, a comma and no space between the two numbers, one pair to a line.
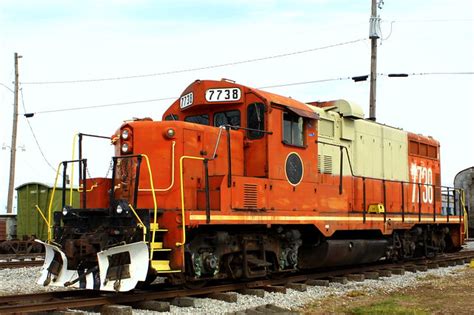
[171,117]
[198,119]
[231,117]
[292,129]
[255,120]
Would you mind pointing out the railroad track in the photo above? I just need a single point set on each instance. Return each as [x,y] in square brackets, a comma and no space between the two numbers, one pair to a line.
[21,260]
[86,298]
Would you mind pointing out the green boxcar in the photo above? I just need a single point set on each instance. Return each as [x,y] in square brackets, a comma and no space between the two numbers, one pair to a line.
[29,221]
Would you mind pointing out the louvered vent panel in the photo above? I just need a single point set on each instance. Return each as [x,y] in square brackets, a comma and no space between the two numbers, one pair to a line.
[327,164]
[250,196]
[319,163]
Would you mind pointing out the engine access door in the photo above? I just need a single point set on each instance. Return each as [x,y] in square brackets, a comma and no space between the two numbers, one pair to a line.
[255,145]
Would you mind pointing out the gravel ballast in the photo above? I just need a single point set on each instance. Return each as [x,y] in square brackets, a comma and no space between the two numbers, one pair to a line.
[23,280]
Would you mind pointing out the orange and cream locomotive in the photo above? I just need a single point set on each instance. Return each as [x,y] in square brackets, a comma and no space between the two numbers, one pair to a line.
[239,183]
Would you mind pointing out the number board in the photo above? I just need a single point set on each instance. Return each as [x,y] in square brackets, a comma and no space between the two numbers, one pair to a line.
[223,95]
[186,100]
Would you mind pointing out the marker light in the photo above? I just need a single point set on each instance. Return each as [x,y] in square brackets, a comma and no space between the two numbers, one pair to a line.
[125,147]
[125,134]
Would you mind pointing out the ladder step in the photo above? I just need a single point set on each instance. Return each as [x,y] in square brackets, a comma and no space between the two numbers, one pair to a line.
[162,266]
[161,250]
[156,245]
[155,227]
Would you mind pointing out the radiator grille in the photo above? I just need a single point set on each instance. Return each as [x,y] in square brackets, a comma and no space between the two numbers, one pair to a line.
[325,166]
[250,196]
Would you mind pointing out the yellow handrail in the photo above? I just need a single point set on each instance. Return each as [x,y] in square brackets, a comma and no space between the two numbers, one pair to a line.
[139,220]
[51,201]
[79,189]
[150,174]
[183,218]
[172,174]
[45,221]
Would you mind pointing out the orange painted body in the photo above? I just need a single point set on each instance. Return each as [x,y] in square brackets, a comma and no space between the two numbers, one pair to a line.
[260,192]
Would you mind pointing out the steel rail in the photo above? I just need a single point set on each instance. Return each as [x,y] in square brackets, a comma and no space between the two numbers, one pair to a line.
[20,264]
[87,298]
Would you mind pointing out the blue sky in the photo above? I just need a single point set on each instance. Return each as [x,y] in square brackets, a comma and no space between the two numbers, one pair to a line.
[64,40]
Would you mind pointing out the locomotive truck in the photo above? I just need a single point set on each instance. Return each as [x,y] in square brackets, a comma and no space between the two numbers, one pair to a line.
[238,183]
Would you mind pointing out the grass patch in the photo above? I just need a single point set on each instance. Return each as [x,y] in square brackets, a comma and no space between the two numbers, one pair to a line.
[355,293]
[390,306]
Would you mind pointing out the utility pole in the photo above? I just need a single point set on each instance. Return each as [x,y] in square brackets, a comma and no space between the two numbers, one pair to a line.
[13,144]
[373,35]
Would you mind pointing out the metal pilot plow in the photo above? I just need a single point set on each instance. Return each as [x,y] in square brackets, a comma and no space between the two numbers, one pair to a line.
[119,269]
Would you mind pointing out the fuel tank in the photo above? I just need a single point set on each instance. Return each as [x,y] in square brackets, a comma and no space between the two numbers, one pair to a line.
[341,252]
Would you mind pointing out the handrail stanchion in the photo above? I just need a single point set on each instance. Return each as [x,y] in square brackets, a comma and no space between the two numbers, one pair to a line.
[419,202]
[229,158]
[433,187]
[364,202]
[341,156]
[112,189]
[84,169]
[208,205]
[403,201]
[140,221]
[63,200]
[448,204]
[384,202]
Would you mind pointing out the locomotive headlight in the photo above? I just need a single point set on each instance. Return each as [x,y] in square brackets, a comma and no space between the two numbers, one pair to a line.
[170,133]
[119,209]
[65,211]
[125,134]
[125,147]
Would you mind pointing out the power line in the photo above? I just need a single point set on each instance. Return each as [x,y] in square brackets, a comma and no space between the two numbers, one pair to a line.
[104,105]
[6,86]
[304,82]
[354,78]
[427,73]
[233,63]
[34,135]
[432,20]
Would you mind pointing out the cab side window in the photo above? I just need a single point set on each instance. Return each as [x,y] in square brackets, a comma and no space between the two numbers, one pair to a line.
[292,129]
[198,119]
[231,117]
[255,120]
[171,117]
